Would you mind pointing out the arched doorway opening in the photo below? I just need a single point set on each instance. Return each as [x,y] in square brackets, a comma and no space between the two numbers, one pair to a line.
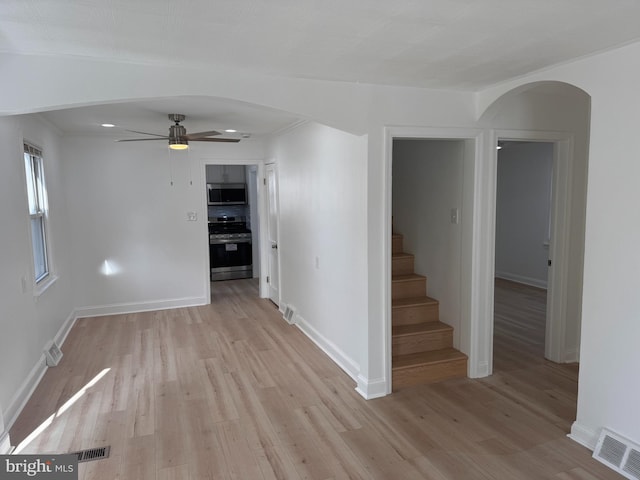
[557,114]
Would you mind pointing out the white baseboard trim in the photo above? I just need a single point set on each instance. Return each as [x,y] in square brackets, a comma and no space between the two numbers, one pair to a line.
[514,277]
[572,356]
[338,356]
[585,436]
[480,370]
[136,307]
[22,396]
[66,327]
[370,389]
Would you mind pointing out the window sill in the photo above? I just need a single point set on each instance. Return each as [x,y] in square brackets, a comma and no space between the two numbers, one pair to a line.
[44,285]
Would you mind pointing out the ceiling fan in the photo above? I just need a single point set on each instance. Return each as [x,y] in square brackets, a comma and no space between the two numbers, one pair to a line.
[178,137]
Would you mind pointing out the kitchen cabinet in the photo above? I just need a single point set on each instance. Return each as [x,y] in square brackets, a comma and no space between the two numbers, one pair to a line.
[226,174]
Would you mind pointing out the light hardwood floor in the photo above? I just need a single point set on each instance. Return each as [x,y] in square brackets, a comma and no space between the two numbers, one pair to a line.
[519,325]
[231,391]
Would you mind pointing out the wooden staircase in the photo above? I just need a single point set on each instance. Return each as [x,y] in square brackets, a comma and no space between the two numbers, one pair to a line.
[422,346]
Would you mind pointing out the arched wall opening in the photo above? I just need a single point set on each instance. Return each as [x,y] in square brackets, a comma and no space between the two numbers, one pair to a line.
[559,113]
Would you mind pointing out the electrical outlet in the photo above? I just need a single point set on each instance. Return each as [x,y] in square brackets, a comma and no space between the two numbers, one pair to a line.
[192,217]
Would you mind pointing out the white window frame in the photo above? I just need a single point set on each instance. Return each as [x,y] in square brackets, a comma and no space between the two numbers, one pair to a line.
[38,209]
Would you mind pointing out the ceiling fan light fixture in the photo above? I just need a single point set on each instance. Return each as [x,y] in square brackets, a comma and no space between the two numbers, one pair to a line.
[178,136]
[178,144]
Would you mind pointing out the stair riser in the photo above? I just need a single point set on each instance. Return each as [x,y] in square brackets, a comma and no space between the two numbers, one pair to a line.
[422,342]
[409,288]
[415,314]
[402,265]
[396,245]
[423,374]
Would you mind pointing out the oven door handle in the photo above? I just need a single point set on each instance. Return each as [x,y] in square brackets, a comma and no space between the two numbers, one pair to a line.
[223,241]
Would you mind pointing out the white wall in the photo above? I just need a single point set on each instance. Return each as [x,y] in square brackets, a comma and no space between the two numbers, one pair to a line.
[523,203]
[427,184]
[27,322]
[609,357]
[125,211]
[323,236]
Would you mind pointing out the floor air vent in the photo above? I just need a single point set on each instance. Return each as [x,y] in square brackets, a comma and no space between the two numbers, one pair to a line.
[92,454]
[53,354]
[288,313]
[619,453]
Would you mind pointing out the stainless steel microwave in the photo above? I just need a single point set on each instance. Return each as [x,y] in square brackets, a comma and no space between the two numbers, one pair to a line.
[226,193]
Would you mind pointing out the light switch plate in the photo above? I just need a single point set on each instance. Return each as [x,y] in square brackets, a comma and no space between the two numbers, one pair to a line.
[455,216]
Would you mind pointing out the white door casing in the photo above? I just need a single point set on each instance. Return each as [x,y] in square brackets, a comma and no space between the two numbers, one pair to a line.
[559,241]
[273,264]
[472,306]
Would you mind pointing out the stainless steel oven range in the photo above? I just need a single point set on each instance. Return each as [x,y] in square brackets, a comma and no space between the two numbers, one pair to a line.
[229,248]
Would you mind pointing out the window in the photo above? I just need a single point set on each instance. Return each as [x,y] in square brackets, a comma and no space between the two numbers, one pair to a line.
[38,208]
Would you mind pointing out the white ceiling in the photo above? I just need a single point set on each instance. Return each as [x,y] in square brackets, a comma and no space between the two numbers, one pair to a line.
[453,44]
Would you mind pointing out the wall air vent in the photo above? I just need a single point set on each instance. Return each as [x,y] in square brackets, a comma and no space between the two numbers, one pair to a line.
[618,453]
[53,354]
[288,313]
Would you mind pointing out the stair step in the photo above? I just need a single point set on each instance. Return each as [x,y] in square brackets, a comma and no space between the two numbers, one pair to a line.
[396,243]
[421,337]
[406,311]
[407,286]
[401,264]
[428,367]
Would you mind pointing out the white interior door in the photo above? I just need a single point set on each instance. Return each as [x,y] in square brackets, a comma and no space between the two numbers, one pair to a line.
[272,234]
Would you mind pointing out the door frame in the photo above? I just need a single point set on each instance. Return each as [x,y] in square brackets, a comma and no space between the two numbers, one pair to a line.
[561,193]
[264,227]
[259,163]
[471,301]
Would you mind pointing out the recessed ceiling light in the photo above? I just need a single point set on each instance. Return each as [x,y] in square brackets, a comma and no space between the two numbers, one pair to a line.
[230,130]
[108,125]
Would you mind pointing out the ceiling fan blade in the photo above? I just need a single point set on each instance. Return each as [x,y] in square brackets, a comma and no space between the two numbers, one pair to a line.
[147,133]
[195,136]
[232,140]
[141,139]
